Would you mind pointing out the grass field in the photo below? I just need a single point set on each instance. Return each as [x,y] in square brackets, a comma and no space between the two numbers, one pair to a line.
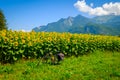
[94,66]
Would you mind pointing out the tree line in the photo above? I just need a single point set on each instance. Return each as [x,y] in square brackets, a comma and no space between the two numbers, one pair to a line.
[3,24]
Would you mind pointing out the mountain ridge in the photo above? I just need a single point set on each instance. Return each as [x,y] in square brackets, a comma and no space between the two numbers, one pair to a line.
[108,25]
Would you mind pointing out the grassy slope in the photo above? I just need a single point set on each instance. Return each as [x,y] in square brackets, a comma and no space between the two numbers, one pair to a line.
[94,66]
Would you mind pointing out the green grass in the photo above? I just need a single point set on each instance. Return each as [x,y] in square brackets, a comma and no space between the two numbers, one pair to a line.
[94,66]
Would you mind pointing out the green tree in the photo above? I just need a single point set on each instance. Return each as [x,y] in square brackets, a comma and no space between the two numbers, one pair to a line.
[3,24]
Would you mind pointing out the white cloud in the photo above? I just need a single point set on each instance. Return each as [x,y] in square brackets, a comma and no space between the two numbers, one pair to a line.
[91,4]
[105,9]
[26,30]
[82,6]
[23,30]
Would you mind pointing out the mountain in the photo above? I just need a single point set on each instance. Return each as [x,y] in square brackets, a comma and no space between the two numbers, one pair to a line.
[64,24]
[110,21]
[109,25]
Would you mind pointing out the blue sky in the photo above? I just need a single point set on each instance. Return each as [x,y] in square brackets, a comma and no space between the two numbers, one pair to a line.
[27,14]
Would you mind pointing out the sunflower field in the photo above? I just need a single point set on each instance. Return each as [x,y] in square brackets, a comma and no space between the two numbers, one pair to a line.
[15,45]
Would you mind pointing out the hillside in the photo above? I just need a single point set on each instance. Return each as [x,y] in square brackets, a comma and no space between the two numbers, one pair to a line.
[108,25]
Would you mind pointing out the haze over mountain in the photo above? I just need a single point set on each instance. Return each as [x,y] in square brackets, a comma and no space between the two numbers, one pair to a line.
[107,24]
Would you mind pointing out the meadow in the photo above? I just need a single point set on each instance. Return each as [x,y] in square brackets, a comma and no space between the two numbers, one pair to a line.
[87,57]
[98,65]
